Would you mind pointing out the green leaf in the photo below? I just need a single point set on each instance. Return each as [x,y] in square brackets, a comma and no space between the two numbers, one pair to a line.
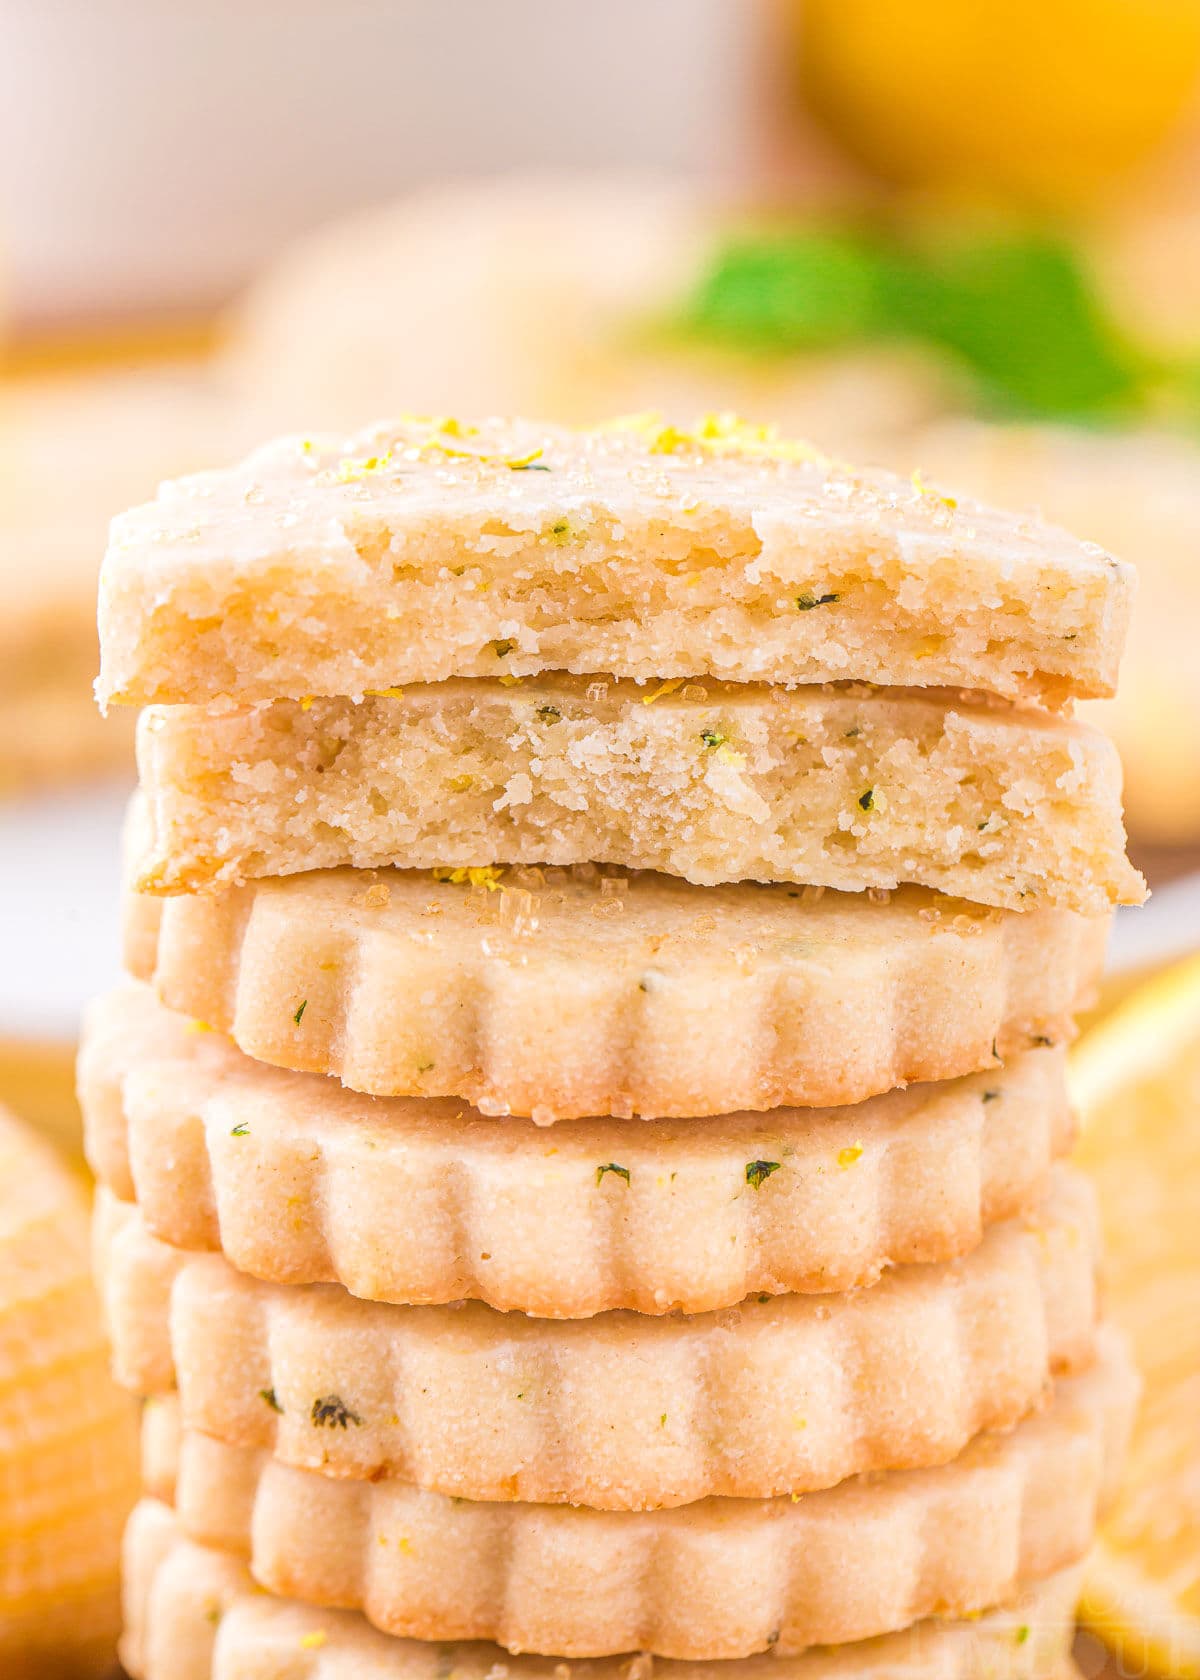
[802,289]
[1013,307]
[1019,310]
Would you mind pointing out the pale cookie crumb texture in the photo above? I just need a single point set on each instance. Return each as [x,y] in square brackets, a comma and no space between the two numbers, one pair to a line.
[779,1395]
[566,993]
[840,787]
[195,1613]
[721,1578]
[426,549]
[425,1201]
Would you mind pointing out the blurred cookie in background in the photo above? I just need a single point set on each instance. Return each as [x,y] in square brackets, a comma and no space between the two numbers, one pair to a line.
[1138,494]
[563,296]
[76,448]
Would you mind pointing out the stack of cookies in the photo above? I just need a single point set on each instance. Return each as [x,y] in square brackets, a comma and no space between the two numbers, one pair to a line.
[582,1145]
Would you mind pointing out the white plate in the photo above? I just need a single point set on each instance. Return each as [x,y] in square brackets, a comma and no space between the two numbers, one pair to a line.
[59,877]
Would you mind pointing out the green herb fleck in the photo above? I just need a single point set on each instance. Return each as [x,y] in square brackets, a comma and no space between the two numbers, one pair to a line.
[502,649]
[550,713]
[853,734]
[662,1421]
[612,1167]
[757,1172]
[330,1411]
[271,1398]
[530,466]
[299,1015]
[424,1067]
[867,800]
[713,739]
[1022,1634]
[990,1096]
[242,1129]
[1042,1041]
[806,603]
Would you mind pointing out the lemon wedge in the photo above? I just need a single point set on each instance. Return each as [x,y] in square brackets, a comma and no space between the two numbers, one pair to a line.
[1136,1081]
[68,1437]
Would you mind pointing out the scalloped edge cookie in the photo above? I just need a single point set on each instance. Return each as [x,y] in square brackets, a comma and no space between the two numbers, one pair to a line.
[195,1613]
[781,1394]
[560,994]
[718,1579]
[422,1201]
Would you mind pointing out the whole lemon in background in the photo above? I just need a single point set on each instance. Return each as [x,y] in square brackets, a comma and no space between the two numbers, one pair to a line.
[1039,102]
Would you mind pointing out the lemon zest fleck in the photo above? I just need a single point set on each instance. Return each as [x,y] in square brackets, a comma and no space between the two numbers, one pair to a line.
[313,1641]
[352,467]
[847,1157]
[663,688]
[923,489]
[485,876]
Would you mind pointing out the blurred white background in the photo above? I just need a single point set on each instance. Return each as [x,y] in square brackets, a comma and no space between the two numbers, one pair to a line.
[276,114]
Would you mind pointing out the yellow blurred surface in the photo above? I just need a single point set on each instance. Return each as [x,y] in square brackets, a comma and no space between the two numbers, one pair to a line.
[1042,102]
[37,1081]
[1136,1080]
[68,1436]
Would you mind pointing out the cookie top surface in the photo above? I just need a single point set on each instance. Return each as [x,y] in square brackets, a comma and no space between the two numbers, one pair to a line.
[429,548]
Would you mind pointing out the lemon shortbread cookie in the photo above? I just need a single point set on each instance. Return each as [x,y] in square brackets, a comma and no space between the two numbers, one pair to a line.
[298,1180]
[840,787]
[563,993]
[720,1578]
[195,1613]
[428,549]
[620,1411]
